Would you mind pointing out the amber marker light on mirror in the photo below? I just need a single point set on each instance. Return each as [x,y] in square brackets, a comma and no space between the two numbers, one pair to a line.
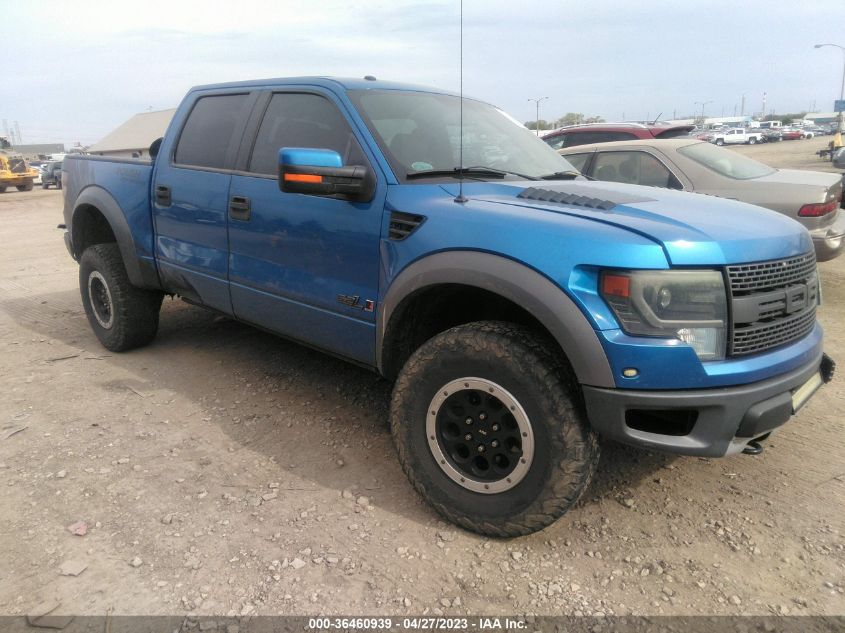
[303,178]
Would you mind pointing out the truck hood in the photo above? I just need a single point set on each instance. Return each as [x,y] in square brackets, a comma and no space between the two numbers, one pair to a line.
[693,229]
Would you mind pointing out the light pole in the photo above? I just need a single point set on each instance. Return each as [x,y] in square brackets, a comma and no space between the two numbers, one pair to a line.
[842,88]
[702,104]
[537,120]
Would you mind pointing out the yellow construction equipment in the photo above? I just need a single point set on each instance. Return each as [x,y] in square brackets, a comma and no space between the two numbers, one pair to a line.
[14,169]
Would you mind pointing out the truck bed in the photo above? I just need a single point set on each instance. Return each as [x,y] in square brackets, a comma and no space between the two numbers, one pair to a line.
[121,183]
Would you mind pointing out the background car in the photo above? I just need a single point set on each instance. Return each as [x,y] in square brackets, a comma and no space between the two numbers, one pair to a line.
[811,197]
[52,175]
[608,132]
[790,134]
[772,135]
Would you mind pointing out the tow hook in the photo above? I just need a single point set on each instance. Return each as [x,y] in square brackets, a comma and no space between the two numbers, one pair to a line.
[753,448]
[827,368]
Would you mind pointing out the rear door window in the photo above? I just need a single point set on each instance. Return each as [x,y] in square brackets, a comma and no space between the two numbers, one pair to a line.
[212,131]
[636,168]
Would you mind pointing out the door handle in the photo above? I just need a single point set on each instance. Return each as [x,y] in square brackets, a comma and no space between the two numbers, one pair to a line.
[239,208]
[162,196]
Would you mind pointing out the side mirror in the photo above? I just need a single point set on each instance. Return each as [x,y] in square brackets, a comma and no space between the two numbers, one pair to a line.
[156,145]
[320,172]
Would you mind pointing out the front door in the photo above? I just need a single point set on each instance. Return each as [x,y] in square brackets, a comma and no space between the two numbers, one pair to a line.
[301,265]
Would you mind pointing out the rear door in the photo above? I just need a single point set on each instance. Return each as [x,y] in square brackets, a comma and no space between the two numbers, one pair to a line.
[190,198]
[301,265]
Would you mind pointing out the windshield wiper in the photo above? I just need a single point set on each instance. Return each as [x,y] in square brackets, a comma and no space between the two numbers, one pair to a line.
[475,171]
[561,175]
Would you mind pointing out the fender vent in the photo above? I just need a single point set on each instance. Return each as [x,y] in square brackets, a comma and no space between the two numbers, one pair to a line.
[548,195]
[403,224]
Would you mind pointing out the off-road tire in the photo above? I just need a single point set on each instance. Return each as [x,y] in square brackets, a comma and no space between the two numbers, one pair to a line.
[134,311]
[566,449]
[26,187]
[3,189]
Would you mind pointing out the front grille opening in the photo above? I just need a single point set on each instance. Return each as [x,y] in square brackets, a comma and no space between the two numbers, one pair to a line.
[778,303]
[675,422]
[765,276]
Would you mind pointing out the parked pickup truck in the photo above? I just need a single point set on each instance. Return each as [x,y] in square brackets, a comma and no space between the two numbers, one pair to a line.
[735,136]
[521,310]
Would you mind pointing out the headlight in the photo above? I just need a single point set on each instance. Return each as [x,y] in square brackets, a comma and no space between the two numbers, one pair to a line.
[689,305]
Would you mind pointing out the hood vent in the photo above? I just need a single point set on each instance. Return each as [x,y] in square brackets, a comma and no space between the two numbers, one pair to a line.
[548,195]
[403,224]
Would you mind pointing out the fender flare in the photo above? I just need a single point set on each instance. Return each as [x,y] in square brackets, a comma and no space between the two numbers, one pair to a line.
[513,281]
[103,201]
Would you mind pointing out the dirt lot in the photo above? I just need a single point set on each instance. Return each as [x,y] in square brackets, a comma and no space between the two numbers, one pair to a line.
[225,471]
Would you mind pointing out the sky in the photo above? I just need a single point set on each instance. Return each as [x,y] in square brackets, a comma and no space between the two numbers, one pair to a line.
[74,71]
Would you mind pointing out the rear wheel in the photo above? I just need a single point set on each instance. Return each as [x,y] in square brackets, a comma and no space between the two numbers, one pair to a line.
[490,429]
[121,315]
[752,141]
[25,187]
[719,142]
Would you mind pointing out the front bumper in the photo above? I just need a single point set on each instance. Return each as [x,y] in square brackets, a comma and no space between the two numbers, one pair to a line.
[704,422]
[15,180]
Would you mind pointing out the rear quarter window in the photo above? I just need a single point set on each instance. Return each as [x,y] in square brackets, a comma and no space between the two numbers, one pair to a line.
[578,161]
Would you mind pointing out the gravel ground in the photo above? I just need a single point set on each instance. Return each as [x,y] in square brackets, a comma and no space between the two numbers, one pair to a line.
[225,471]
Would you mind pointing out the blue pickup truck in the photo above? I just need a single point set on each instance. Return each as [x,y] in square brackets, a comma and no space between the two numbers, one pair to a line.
[521,310]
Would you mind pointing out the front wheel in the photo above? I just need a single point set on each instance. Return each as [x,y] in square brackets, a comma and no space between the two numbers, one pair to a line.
[121,315]
[491,430]
[25,187]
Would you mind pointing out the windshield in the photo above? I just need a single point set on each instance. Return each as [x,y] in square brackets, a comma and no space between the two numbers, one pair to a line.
[725,162]
[420,132]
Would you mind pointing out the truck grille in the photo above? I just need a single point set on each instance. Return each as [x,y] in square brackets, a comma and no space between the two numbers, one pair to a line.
[746,278]
[17,165]
[774,303]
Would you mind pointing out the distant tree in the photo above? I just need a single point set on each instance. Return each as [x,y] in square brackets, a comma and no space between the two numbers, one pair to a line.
[532,125]
[544,125]
[577,118]
[786,119]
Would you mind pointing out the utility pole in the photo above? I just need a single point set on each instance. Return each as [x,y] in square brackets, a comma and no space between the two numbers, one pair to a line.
[742,107]
[537,120]
[702,104]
